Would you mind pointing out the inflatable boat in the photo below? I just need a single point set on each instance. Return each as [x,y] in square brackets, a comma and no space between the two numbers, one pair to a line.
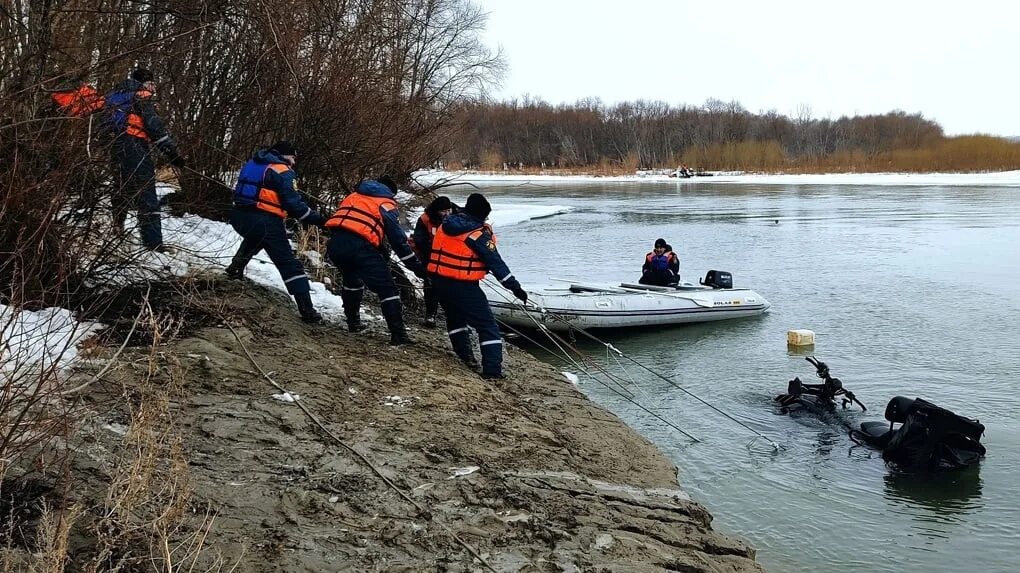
[625,305]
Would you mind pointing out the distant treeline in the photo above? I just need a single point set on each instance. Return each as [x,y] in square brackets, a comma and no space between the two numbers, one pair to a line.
[589,135]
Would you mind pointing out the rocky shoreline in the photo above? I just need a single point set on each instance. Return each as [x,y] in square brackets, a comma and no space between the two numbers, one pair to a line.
[523,475]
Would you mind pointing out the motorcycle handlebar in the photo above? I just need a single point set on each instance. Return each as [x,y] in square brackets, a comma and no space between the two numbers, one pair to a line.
[850,396]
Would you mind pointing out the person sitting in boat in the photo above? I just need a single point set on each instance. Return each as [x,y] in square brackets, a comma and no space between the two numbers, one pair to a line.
[662,266]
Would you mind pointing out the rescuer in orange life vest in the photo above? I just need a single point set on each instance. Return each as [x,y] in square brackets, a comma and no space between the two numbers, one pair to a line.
[263,198]
[421,243]
[131,119]
[365,221]
[463,251]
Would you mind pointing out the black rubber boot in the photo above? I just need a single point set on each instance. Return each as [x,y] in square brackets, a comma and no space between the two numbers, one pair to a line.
[235,270]
[395,321]
[352,308]
[307,309]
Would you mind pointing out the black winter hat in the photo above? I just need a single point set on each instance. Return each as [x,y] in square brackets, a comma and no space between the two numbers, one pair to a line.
[389,182]
[660,243]
[439,204]
[283,147]
[142,75]
[477,206]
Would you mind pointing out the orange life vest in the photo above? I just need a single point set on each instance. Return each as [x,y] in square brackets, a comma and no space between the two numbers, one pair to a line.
[427,221]
[249,188]
[452,257]
[79,102]
[359,214]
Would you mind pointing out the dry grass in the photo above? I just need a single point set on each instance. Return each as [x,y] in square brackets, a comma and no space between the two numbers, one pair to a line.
[971,153]
[146,520]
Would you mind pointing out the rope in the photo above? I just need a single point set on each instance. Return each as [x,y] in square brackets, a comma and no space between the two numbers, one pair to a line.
[421,510]
[775,445]
[554,337]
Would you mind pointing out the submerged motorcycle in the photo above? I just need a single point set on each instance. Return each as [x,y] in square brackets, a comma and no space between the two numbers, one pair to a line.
[819,399]
[928,438]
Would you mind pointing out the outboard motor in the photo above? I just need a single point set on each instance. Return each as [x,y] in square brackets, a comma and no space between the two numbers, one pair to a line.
[929,438]
[718,279]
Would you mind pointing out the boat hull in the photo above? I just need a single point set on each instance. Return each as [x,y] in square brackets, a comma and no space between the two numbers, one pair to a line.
[562,309]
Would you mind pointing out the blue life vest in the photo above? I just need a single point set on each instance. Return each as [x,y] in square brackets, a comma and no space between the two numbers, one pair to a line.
[249,191]
[120,114]
[660,263]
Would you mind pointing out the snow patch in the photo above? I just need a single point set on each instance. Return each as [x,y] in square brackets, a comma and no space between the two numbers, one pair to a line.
[997,179]
[398,401]
[39,340]
[287,397]
[203,245]
[464,471]
[504,215]
[119,429]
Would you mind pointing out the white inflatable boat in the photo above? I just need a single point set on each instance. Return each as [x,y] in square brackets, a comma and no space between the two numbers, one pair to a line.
[627,305]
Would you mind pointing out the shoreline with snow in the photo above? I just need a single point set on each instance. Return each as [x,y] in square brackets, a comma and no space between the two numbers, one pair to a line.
[49,338]
[994,179]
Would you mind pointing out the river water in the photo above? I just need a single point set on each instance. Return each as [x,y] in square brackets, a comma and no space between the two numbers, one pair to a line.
[912,291]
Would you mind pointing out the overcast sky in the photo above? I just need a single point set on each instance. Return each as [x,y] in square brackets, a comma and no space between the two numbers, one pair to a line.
[956,62]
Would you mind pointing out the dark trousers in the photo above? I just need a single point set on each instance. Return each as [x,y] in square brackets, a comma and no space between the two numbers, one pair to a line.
[363,266]
[431,298]
[465,305]
[263,230]
[659,279]
[135,180]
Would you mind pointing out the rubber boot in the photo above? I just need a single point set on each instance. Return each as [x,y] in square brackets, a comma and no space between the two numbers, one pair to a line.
[492,360]
[430,321]
[461,342]
[235,270]
[352,308]
[431,307]
[393,314]
[307,309]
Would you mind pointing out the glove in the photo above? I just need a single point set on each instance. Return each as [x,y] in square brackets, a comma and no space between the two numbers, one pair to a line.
[314,220]
[519,293]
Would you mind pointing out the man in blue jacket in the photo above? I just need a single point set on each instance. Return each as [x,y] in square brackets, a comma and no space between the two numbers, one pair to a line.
[361,226]
[463,252]
[263,198]
[131,118]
